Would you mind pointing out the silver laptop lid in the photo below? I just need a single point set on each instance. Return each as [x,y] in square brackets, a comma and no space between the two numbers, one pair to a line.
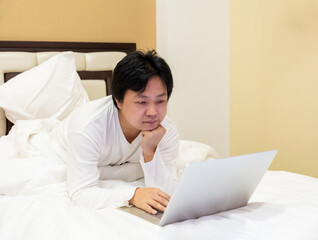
[213,186]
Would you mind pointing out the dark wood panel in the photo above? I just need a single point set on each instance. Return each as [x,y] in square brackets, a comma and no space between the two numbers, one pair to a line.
[107,76]
[32,46]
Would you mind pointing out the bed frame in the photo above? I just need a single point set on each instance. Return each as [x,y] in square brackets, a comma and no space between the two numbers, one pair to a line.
[84,54]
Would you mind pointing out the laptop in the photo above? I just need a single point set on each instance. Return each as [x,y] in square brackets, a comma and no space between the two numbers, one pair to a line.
[212,186]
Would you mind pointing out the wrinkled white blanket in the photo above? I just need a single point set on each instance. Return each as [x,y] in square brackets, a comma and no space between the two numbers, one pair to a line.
[34,202]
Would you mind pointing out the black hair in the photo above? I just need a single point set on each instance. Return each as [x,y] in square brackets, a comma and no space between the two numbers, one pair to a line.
[134,71]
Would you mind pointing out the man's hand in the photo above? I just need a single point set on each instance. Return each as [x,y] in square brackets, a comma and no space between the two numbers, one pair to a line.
[150,200]
[150,141]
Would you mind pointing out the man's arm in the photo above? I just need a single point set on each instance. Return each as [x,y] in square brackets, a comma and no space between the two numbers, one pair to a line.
[160,151]
[128,172]
[83,183]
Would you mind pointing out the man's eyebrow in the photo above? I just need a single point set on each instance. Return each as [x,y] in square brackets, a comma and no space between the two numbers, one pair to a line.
[162,94]
[140,95]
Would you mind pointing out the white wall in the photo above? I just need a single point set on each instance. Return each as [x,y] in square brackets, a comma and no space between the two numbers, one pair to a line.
[193,37]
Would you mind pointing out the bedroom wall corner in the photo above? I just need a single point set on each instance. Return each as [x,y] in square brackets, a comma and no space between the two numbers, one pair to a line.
[193,36]
[80,21]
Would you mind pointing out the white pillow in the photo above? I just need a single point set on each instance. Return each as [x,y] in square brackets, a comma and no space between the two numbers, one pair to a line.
[51,89]
[191,151]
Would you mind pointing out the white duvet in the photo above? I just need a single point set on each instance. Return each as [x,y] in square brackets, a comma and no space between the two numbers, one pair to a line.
[34,204]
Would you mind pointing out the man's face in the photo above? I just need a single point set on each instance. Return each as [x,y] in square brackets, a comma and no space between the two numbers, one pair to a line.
[144,110]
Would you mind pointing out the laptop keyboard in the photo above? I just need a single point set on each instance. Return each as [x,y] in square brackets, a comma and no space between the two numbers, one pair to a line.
[158,215]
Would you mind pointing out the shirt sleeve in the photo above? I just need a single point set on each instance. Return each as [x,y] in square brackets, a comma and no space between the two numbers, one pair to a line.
[129,171]
[161,171]
[84,186]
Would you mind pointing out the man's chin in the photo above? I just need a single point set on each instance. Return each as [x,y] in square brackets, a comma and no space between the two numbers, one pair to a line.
[150,127]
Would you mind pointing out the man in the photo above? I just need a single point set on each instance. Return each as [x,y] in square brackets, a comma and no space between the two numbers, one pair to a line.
[113,141]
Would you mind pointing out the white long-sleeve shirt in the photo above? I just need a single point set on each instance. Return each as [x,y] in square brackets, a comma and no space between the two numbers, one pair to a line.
[97,150]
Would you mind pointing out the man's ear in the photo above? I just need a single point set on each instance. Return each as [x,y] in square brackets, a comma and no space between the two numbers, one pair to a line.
[118,104]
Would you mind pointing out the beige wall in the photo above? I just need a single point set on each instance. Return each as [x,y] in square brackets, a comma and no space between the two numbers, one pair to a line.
[274,81]
[80,20]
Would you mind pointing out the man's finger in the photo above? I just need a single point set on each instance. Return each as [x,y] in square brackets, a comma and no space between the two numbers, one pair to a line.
[157,205]
[149,209]
[163,201]
[164,195]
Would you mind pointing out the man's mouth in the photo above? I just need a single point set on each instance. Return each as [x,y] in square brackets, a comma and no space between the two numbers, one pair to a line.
[151,122]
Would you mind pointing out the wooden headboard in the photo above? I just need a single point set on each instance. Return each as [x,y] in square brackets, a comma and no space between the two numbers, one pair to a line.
[79,47]
[25,46]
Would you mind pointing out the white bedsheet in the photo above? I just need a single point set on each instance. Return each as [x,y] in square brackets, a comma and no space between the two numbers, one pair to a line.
[34,204]
[285,206]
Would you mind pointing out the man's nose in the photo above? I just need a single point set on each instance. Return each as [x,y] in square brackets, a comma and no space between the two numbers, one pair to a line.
[151,110]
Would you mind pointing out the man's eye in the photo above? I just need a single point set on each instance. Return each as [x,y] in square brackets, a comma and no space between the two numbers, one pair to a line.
[141,102]
[161,101]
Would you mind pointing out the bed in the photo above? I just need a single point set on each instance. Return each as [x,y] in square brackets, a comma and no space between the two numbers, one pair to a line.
[34,202]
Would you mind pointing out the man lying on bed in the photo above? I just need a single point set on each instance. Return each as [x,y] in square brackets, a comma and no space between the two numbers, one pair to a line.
[122,138]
